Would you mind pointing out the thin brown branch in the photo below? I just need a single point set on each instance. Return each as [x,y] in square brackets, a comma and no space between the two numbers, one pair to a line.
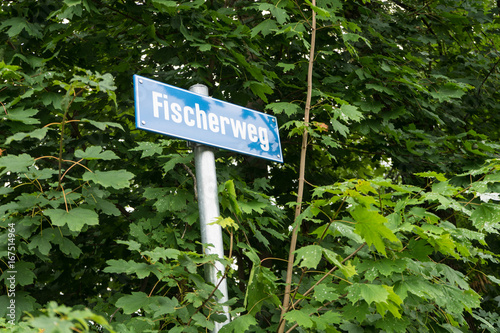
[327,274]
[65,199]
[76,163]
[70,161]
[195,185]
[68,121]
[324,307]
[487,76]
[300,193]
[4,108]
[337,212]
[209,297]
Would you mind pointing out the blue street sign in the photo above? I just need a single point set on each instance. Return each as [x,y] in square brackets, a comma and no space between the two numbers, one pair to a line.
[165,109]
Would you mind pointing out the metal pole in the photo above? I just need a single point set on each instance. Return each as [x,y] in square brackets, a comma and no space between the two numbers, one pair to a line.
[208,205]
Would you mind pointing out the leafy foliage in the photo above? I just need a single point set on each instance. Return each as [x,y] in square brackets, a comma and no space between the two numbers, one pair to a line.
[400,222]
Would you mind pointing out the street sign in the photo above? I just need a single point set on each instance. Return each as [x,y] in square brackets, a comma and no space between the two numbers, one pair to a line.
[165,109]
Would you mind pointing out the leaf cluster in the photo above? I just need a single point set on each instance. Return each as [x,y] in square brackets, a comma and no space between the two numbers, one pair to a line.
[399,227]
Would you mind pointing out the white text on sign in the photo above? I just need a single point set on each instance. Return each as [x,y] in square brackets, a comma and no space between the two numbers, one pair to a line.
[196,117]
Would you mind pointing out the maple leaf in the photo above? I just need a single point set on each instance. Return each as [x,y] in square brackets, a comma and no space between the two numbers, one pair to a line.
[371,226]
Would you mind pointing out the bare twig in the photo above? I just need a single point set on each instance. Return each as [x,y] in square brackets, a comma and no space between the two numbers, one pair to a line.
[70,161]
[209,297]
[195,185]
[111,317]
[487,76]
[327,274]
[300,193]
[4,108]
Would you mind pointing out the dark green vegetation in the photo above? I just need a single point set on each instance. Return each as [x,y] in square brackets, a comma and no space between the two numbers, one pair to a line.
[399,222]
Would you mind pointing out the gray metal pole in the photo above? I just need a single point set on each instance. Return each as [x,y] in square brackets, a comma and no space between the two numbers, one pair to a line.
[208,204]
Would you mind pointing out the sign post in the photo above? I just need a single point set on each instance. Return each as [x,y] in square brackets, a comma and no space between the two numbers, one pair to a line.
[208,205]
[194,116]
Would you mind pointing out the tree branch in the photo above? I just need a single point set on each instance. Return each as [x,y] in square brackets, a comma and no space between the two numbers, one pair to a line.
[300,193]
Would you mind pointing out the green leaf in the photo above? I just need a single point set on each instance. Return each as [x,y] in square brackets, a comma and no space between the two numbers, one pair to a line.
[447,92]
[486,217]
[384,266]
[69,248]
[76,218]
[102,125]
[456,301]
[231,191]
[280,14]
[286,68]
[288,108]
[260,89]
[203,47]
[357,311]
[324,292]
[23,273]
[393,324]
[265,27]
[327,320]
[239,324]
[392,305]
[454,277]
[350,112]
[371,226]
[348,270]
[384,297]
[432,174]
[200,320]
[345,230]
[253,206]
[172,202]
[300,317]
[96,153]
[318,10]
[141,269]
[419,286]
[339,127]
[42,242]
[174,160]
[117,178]
[16,163]
[6,190]
[106,83]
[493,279]
[137,231]
[161,306]
[161,253]
[308,256]
[186,33]
[24,302]
[39,134]
[370,293]
[167,3]
[450,328]
[226,223]
[379,88]
[23,115]
[132,244]
[17,24]
[107,207]
[148,148]
[71,3]
[134,302]
[261,289]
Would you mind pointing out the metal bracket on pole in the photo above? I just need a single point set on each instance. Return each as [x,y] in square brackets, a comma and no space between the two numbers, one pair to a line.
[208,204]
